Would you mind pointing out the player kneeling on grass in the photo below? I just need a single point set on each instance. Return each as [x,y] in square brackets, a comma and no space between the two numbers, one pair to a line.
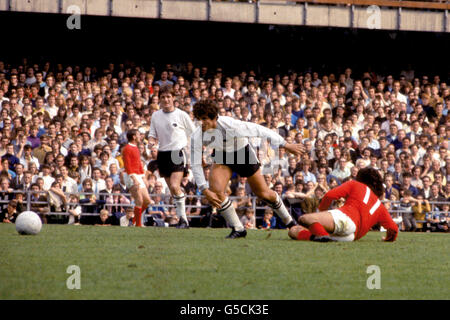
[232,153]
[362,210]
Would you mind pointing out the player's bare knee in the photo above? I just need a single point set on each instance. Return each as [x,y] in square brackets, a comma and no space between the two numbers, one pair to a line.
[145,202]
[133,190]
[293,232]
[221,195]
[267,195]
[175,189]
[306,220]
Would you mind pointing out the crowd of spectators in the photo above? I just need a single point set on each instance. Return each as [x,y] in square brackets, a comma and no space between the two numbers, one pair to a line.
[62,129]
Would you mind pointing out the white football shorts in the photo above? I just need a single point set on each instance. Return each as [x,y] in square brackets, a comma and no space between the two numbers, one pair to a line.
[129,182]
[344,227]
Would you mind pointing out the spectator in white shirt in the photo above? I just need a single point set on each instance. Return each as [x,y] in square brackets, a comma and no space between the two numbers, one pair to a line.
[127,219]
[69,185]
[342,171]
[45,175]
[97,182]
[397,94]
[228,90]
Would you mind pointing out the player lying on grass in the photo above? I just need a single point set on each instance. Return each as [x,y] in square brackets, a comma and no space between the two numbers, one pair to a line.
[232,153]
[362,210]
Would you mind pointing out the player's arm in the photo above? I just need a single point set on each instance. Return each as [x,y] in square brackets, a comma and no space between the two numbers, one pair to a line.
[339,192]
[299,195]
[152,141]
[386,222]
[246,129]
[152,134]
[128,159]
[189,126]
[141,168]
[196,159]
[197,168]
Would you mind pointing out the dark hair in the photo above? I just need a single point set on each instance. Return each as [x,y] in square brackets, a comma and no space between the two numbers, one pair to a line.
[206,108]
[166,89]
[13,203]
[371,178]
[131,133]
[277,184]
[104,153]
[407,192]
[34,185]
[407,175]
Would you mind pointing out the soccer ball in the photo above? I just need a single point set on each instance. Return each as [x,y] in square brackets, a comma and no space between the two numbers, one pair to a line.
[28,222]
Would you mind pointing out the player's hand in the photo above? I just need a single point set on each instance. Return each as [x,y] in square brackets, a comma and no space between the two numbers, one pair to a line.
[296,148]
[390,235]
[212,198]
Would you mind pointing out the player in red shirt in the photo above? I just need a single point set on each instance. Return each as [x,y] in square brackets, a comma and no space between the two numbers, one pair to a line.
[362,210]
[134,176]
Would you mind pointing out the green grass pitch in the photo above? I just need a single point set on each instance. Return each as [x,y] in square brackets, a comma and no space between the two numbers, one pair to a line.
[199,264]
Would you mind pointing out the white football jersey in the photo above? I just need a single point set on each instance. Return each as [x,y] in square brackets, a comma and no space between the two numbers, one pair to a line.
[229,136]
[172,129]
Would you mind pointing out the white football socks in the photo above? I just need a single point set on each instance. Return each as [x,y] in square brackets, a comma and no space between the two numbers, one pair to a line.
[180,206]
[229,213]
[280,209]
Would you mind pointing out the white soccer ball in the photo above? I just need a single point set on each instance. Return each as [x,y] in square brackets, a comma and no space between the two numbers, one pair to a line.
[28,222]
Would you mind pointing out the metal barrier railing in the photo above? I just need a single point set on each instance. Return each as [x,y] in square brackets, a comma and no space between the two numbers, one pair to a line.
[253,200]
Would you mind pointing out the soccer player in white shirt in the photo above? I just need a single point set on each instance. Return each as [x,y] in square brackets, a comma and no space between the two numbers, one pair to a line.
[232,153]
[171,128]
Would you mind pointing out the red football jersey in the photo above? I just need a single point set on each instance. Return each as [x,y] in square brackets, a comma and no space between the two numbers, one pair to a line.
[363,207]
[132,159]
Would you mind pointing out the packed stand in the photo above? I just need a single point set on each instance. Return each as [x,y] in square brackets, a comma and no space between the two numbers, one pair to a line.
[63,128]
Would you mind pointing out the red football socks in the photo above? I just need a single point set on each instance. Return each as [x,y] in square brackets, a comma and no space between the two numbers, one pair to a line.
[304,235]
[318,230]
[137,220]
